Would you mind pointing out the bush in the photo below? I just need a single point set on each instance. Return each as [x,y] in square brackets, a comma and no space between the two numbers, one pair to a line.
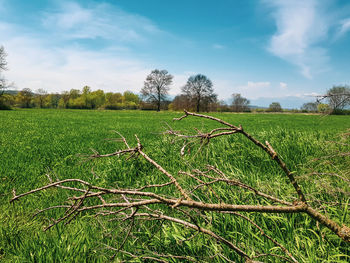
[323,108]
[275,107]
[4,106]
[340,112]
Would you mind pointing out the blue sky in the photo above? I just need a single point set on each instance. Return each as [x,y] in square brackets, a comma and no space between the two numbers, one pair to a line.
[267,50]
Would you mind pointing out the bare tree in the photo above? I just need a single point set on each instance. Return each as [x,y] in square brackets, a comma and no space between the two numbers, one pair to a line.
[3,55]
[338,97]
[196,194]
[3,85]
[156,87]
[4,103]
[199,90]
[181,102]
[239,103]
[3,64]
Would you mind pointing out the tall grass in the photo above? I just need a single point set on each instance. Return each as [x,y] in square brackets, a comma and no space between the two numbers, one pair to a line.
[35,142]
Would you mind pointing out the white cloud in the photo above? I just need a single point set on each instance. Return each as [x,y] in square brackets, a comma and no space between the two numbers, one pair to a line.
[75,45]
[344,28]
[36,66]
[254,85]
[264,89]
[301,27]
[283,85]
[51,59]
[35,61]
[99,20]
[255,89]
[312,94]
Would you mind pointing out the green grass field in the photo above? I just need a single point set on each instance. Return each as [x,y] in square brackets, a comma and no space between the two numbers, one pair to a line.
[35,142]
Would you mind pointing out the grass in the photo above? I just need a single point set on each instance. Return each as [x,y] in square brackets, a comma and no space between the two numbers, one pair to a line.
[34,142]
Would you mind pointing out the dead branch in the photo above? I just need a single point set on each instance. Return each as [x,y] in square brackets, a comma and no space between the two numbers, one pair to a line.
[267,148]
[342,231]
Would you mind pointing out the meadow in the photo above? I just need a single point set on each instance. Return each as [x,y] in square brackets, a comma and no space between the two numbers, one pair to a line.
[39,141]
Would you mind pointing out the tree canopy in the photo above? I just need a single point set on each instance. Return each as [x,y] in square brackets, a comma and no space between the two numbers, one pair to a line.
[239,103]
[199,90]
[3,82]
[3,64]
[309,106]
[24,98]
[275,107]
[156,87]
[338,97]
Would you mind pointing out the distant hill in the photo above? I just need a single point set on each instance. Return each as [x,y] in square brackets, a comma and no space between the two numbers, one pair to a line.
[287,102]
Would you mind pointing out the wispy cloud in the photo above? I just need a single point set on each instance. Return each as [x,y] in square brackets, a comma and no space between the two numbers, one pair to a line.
[35,65]
[100,20]
[255,89]
[344,28]
[218,46]
[301,27]
[283,85]
[312,94]
[265,89]
[253,85]
[52,59]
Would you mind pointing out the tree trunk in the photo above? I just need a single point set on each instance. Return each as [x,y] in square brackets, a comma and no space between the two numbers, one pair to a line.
[198,104]
[158,102]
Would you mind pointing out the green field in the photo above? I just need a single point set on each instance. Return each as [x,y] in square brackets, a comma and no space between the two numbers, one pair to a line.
[35,142]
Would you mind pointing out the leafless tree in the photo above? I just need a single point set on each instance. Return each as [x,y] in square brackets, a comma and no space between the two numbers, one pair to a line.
[239,103]
[338,97]
[196,193]
[3,55]
[181,102]
[3,64]
[3,82]
[156,86]
[199,90]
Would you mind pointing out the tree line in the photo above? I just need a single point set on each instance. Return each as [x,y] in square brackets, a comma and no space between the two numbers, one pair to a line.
[198,99]
[73,99]
[196,95]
